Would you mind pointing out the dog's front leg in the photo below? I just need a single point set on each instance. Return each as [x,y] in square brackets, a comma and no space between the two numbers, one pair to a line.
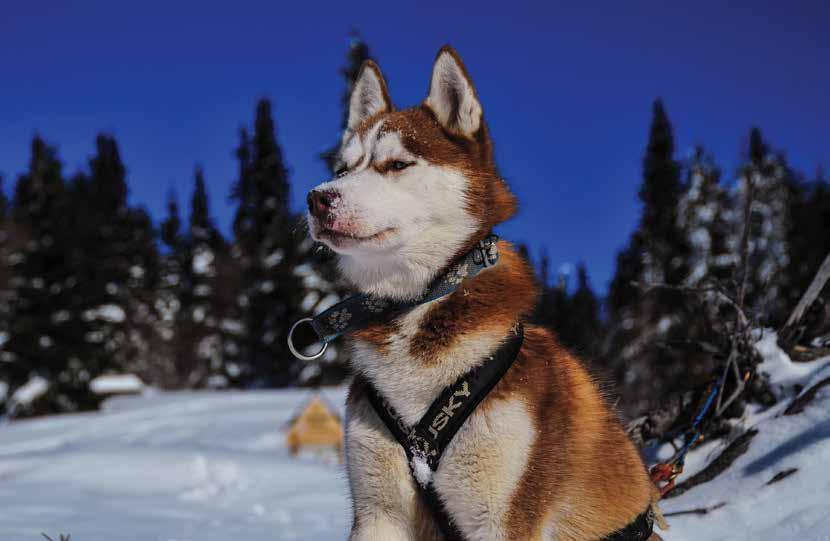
[378,527]
[384,499]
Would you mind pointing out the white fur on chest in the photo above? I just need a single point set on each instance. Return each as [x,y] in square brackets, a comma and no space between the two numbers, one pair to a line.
[409,384]
[477,477]
[482,467]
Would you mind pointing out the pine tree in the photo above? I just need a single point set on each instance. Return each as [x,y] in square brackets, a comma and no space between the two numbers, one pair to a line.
[767,181]
[167,344]
[582,330]
[664,243]
[658,253]
[201,329]
[42,341]
[171,226]
[116,261]
[357,54]
[6,294]
[266,250]
[705,216]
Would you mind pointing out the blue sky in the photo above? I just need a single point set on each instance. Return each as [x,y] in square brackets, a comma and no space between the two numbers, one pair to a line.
[567,91]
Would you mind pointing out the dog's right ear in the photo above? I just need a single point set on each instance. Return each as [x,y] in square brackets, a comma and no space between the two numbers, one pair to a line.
[452,96]
[369,95]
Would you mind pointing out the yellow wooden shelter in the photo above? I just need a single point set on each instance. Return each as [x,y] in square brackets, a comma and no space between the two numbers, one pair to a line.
[315,425]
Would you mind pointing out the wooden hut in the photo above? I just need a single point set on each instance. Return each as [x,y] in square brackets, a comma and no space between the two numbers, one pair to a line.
[316,424]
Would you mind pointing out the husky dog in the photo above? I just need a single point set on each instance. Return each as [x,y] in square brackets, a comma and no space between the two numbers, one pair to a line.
[543,456]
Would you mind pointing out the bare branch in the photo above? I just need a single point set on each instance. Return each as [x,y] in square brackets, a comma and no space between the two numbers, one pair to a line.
[743,321]
[744,249]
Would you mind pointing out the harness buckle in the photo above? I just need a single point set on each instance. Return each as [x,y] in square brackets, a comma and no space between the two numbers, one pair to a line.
[486,251]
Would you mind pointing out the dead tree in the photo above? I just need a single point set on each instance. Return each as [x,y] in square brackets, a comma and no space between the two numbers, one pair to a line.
[791,332]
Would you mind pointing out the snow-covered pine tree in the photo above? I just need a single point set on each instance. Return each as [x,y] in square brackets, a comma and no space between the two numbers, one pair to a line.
[202,316]
[770,184]
[42,342]
[6,293]
[166,342]
[115,261]
[266,249]
[657,253]
[705,216]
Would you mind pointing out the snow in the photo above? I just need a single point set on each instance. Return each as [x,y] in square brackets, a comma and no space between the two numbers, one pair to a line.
[202,262]
[783,372]
[106,312]
[793,508]
[232,326]
[116,383]
[421,470]
[307,304]
[212,466]
[328,301]
[30,391]
[274,258]
[198,466]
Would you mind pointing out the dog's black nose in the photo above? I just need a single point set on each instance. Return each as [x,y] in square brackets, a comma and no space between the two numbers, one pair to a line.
[320,202]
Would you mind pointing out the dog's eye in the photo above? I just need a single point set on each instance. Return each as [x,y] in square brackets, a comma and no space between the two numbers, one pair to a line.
[398,165]
[341,172]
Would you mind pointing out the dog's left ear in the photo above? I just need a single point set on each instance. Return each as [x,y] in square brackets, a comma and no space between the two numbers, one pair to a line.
[369,95]
[452,96]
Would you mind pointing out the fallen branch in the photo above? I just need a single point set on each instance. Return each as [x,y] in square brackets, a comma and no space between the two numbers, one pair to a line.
[734,450]
[783,474]
[696,511]
[800,402]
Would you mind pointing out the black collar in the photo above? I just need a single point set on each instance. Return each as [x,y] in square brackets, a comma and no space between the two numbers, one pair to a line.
[357,311]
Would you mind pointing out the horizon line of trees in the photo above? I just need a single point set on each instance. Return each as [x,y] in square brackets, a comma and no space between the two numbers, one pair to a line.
[90,286]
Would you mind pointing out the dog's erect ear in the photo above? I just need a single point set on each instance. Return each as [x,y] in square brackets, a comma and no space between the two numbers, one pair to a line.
[452,96]
[369,95]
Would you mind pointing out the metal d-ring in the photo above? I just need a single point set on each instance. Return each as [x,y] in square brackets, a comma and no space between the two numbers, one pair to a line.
[297,353]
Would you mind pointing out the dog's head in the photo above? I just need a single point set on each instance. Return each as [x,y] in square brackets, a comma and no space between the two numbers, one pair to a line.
[414,188]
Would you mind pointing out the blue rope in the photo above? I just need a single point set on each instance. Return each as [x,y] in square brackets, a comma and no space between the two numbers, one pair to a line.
[680,457]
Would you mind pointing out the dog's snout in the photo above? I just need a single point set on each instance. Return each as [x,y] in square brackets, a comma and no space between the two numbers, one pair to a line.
[320,202]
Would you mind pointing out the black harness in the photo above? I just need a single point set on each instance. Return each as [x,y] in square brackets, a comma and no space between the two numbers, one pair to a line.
[425,443]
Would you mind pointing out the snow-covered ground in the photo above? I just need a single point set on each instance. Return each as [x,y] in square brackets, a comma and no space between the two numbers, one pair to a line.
[212,466]
[206,466]
[795,508]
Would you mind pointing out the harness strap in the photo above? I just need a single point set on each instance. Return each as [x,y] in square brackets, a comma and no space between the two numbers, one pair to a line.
[425,443]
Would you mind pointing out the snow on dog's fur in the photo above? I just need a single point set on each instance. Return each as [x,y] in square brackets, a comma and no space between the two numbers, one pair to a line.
[542,457]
